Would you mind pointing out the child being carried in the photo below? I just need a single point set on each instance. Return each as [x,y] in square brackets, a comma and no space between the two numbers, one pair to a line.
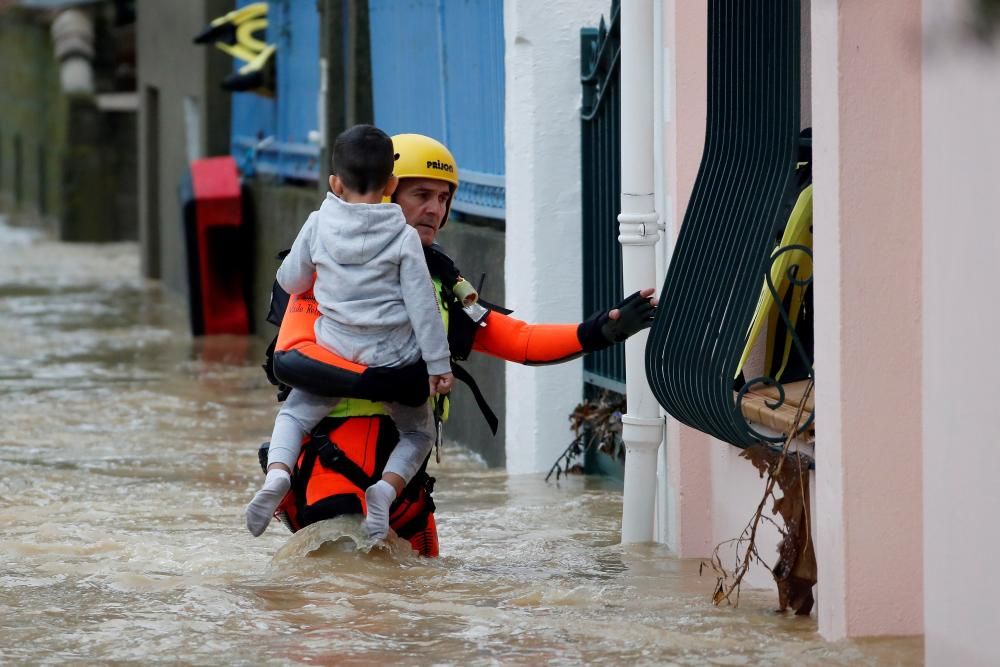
[377,308]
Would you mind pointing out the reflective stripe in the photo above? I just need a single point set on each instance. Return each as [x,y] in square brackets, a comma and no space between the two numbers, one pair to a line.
[438,294]
[358,407]
[445,318]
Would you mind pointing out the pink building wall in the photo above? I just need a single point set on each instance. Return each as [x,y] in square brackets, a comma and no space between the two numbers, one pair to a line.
[868,244]
[685,35]
[866,114]
[712,491]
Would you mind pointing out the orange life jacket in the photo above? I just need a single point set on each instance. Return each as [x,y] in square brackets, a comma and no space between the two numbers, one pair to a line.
[339,460]
[299,361]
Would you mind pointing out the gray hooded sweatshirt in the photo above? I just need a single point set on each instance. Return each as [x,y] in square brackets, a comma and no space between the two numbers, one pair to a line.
[375,295]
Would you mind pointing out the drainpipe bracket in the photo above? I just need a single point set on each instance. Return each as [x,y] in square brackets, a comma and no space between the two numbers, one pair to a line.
[638,228]
[642,432]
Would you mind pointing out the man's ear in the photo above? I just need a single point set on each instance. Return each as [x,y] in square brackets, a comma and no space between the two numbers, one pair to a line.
[390,186]
[336,186]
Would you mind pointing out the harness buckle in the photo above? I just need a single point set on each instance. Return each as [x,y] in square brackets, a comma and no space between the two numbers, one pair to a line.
[476,313]
[330,454]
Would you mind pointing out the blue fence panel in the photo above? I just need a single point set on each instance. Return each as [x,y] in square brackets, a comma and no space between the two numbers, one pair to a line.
[294,26]
[474,101]
[437,69]
[273,136]
[407,85]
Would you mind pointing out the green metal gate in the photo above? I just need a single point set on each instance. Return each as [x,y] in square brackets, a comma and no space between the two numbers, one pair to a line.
[742,198]
[600,139]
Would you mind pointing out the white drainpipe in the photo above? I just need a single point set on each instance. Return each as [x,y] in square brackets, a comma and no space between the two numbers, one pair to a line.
[642,426]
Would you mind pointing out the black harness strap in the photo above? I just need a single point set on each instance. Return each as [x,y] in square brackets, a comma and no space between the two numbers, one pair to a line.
[334,458]
[484,407]
[303,473]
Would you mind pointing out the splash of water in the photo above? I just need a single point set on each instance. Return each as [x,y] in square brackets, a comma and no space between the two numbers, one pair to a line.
[341,537]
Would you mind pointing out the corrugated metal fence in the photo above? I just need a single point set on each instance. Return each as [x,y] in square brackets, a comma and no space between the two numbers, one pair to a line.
[438,69]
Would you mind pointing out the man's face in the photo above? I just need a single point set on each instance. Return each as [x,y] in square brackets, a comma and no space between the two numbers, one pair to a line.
[424,202]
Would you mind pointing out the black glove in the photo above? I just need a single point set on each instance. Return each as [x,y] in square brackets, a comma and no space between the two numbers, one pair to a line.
[600,331]
[635,314]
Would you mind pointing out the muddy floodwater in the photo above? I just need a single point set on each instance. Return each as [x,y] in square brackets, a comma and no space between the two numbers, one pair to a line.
[128,452]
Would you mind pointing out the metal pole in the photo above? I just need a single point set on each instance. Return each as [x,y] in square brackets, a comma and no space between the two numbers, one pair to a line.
[642,426]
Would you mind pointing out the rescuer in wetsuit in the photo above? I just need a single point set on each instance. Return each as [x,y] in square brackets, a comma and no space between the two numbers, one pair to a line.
[348,446]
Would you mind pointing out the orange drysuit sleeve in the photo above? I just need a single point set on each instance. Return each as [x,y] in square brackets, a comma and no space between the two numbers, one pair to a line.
[531,344]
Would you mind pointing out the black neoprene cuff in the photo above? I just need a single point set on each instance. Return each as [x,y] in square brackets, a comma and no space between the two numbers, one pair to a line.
[590,335]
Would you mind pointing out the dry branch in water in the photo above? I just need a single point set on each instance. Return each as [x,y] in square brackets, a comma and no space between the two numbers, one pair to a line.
[595,423]
[795,571]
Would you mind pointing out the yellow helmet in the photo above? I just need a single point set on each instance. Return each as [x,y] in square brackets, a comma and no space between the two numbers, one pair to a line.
[423,157]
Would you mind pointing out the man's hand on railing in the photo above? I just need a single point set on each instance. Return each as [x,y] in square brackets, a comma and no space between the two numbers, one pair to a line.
[632,315]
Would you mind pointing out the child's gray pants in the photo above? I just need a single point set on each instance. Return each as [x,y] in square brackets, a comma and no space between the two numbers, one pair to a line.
[302,411]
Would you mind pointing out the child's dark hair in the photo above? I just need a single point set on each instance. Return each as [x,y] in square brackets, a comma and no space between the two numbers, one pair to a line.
[363,158]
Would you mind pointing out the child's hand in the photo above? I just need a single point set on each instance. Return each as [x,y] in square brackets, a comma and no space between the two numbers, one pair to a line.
[441,384]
